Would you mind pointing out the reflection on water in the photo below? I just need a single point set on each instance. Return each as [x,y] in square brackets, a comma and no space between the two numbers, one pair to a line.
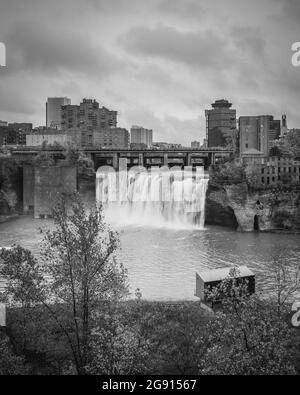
[163,262]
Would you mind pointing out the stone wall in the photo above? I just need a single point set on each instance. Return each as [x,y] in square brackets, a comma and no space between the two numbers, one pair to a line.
[28,188]
[42,185]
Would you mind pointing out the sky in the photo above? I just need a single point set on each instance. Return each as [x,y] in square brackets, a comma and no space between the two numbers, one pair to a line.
[159,63]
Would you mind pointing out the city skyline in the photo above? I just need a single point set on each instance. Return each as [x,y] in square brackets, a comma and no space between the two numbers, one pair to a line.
[161,64]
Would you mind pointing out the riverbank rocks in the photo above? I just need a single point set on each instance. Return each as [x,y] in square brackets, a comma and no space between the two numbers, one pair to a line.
[236,206]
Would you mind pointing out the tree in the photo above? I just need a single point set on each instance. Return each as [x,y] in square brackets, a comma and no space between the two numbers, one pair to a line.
[79,259]
[78,270]
[10,363]
[85,166]
[23,286]
[8,181]
[246,337]
[118,347]
[231,171]
[43,159]
[288,147]
[72,155]
[282,278]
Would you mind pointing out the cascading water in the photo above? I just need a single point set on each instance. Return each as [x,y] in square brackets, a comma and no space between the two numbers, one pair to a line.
[156,198]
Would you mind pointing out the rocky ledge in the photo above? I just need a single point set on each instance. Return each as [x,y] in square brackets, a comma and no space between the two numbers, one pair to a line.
[235,205]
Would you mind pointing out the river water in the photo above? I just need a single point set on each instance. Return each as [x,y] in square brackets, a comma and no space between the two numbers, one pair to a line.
[163,261]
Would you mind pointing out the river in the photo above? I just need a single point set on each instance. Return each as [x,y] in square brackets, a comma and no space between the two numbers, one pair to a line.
[162,262]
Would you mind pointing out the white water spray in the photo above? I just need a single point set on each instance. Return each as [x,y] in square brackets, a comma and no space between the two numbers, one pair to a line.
[158,198]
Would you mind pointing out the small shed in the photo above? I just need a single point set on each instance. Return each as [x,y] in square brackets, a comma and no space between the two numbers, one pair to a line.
[206,281]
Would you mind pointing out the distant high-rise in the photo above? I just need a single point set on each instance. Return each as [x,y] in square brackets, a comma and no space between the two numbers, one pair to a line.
[88,115]
[220,124]
[284,128]
[53,111]
[257,133]
[140,135]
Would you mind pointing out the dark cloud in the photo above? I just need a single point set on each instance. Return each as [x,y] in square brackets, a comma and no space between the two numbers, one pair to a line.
[204,49]
[249,40]
[290,9]
[49,49]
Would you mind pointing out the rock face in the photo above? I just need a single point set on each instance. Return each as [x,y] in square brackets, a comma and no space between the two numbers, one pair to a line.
[236,206]
[217,209]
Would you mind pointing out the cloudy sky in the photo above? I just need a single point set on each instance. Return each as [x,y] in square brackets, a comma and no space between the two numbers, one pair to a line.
[160,63]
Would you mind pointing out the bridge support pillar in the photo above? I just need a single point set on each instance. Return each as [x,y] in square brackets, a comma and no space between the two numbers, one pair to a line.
[213,158]
[166,161]
[115,161]
[141,159]
[189,160]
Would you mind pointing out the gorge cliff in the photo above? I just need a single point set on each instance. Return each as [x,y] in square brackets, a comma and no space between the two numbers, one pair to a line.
[235,205]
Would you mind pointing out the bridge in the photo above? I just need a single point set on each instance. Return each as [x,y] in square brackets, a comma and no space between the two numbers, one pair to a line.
[144,157]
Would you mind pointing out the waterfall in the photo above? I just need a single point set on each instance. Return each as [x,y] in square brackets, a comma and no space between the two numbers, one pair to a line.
[159,197]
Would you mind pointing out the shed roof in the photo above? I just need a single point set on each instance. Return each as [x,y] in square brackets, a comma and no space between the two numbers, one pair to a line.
[252,151]
[223,273]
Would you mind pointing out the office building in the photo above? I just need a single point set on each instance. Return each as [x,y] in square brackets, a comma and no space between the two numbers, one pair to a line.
[220,124]
[141,136]
[53,111]
[112,138]
[88,116]
[272,170]
[257,133]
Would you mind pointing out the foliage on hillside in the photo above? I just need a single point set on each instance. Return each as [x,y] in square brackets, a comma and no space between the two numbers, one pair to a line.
[8,179]
[288,147]
[228,172]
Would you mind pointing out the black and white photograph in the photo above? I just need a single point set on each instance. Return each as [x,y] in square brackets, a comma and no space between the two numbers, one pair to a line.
[149,190]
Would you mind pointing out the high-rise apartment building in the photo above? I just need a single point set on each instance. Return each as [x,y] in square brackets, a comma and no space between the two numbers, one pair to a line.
[15,133]
[53,111]
[258,133]
[88,115]
[220,124]
[141,136]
